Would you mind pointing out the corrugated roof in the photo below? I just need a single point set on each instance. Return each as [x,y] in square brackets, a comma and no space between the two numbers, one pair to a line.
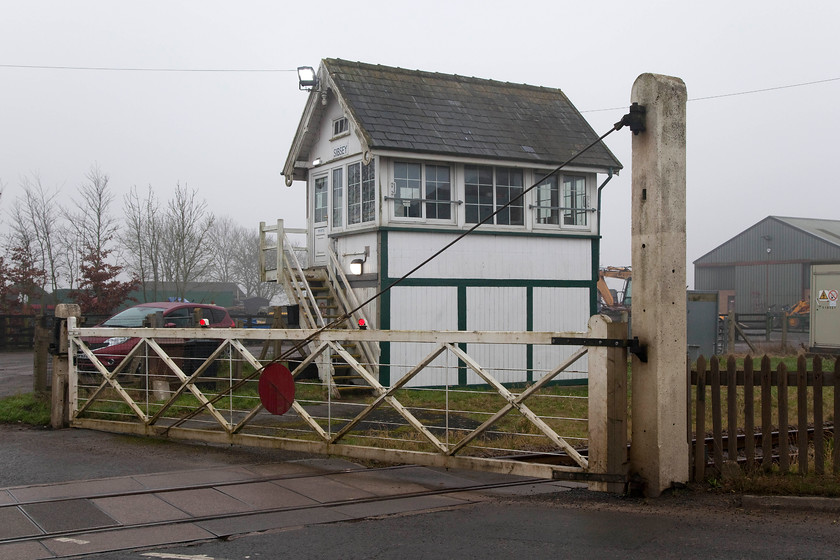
[827,230]
[808,239]
[416,111]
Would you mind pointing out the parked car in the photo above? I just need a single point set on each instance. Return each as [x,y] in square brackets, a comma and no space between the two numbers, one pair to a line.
[111,351]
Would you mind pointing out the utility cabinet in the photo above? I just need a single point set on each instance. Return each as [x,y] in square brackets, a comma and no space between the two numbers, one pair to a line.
[825,314]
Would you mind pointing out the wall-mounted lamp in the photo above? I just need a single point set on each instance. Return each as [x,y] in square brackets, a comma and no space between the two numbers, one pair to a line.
[316,162]
[357,266]
[307,79]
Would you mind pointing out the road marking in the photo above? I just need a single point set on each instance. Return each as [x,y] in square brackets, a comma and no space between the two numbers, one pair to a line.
[178,556]
[73,541]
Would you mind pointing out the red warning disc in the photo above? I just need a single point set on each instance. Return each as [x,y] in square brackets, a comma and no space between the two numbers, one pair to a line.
[277,388]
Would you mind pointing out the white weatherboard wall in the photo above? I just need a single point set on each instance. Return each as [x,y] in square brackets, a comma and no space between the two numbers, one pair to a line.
[498,309]
[490,256]
[423,308]
[494,274]
[560,310]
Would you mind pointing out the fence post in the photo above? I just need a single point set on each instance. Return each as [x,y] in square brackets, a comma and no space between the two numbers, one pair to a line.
[607,404]
[731,334]
[60,409]
[43,337]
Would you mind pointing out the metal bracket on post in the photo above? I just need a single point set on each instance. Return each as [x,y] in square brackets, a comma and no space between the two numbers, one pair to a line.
[633,345]
[635,119]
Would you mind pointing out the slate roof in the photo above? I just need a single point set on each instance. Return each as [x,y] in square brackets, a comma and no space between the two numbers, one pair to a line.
[425,112]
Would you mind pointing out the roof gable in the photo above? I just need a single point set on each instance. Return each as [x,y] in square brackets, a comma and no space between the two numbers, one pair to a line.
[431,113]
[788,236]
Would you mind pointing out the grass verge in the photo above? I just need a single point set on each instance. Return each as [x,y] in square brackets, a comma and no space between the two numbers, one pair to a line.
[25,409]
[779,484]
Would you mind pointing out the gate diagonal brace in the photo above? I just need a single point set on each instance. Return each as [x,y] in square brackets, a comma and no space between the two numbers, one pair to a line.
[632,344]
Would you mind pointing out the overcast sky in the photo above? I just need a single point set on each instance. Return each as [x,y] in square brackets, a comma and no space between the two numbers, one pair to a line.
[227,134]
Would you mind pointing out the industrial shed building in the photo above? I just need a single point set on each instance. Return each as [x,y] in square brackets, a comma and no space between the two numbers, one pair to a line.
[768,266]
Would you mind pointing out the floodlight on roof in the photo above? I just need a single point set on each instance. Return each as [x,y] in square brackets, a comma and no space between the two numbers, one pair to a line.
[307,79]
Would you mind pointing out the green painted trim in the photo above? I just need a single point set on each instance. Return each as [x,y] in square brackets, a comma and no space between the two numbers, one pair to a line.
[462,326]
[576,382]
[492,283]
[479,231]
[593,290]
[529,326]
[384,310]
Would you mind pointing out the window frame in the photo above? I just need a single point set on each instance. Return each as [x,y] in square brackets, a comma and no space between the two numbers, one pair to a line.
[422,202]
[494,189]
[340,127]
[557,208]
[337,210]
[365,189]
[317,209]
[575,210]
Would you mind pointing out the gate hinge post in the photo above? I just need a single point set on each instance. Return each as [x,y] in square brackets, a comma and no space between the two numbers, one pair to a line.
[632,344]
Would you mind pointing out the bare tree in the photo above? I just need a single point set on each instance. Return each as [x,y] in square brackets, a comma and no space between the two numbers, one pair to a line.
[185,257]
[248,267]
[35,222]
[141,239]
[92,219]
[236,258]
[224,240]
[91,227]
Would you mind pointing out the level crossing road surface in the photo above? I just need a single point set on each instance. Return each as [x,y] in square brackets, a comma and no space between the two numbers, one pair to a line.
[83,494]
[15,373]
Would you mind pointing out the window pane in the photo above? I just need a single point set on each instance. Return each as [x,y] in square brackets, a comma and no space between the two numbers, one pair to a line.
[321,200]
[368,192]
[338,197]
[574,201]
[548,200]
[354,193]
[478,190]
[439,188]
[508,188]
[408,190]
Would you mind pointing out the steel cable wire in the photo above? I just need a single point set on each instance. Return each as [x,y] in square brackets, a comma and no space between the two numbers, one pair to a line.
[299,346]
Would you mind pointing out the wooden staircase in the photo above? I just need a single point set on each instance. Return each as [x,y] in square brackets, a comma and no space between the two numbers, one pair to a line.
[325,299]
[345,380]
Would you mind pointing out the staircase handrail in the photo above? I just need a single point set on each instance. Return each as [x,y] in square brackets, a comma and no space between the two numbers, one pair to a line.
[316,320]
[348,299]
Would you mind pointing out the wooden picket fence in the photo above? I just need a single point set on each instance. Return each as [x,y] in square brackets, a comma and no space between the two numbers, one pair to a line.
[764,418]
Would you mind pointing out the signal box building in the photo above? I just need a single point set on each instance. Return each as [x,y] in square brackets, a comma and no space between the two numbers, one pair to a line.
[398,163]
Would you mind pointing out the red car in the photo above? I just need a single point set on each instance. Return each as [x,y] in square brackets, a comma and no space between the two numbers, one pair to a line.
[112,350]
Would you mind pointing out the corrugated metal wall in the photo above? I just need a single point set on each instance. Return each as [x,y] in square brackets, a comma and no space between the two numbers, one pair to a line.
[769,266]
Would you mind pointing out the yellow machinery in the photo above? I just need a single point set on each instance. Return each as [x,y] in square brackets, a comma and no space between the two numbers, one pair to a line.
[615,302]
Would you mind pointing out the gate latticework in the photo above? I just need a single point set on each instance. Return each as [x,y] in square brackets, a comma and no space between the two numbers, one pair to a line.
[201,384]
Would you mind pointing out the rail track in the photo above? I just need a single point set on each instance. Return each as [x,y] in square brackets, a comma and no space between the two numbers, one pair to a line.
[396,498]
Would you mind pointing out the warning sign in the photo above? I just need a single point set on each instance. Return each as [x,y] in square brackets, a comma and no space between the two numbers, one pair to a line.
[827,297]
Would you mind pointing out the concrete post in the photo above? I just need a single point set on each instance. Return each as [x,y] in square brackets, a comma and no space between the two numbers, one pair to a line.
[607,404]
[60,406]
[659,450]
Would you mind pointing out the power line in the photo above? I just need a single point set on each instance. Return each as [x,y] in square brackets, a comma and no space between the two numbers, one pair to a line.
[127,69]
[275,70]
[748,92]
